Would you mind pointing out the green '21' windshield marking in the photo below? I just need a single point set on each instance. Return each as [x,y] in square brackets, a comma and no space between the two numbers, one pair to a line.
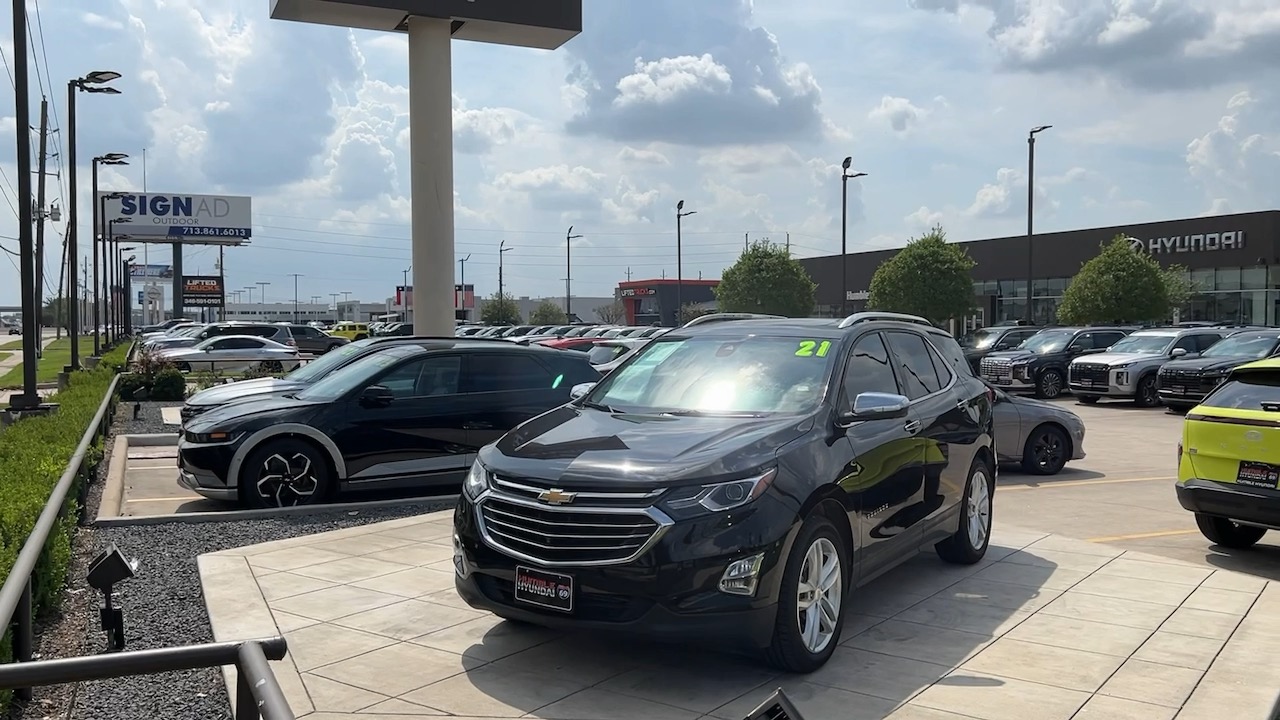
[813,348]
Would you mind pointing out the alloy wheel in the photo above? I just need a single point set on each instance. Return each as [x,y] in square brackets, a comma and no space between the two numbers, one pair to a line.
[1047,450]
[819,594]
[1051,384]
[978,510]
[285,482]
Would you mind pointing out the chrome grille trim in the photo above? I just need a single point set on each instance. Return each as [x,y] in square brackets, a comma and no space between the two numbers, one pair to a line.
[500,526]
[511,486]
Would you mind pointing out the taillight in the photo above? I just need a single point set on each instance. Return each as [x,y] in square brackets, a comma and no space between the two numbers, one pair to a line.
[991,395]
[1179,451]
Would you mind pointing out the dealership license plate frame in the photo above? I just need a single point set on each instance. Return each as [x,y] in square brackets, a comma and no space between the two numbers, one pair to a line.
[562,583]
[1270,474]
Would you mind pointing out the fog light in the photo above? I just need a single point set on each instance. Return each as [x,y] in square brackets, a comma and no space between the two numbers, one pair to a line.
[459,558]
[742,576]
[1122,378]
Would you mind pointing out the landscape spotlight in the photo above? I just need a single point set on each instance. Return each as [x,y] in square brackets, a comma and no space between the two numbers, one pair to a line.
[106,571]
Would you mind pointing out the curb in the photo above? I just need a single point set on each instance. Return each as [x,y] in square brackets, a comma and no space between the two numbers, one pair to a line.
[444,501]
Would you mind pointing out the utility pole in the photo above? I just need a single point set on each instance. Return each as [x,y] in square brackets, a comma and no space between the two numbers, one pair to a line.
[41,214]
[788,243]
[502,248]
[746,241]
[29,399]
[295,295]
[462,265]
[628,273]
[569,237]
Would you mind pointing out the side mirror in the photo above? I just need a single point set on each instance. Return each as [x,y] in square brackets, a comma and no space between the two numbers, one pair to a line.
[580,389]
[1178,352]
[376,396]
[877,406]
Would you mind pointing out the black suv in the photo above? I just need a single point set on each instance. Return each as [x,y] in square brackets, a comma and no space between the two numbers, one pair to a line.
[1185,382]
[994,338]
[735,481]
[311,340]
[411,414]
[1040,362]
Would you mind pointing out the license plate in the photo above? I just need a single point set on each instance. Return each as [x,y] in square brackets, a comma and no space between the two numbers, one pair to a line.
[1258,474]
[553,591]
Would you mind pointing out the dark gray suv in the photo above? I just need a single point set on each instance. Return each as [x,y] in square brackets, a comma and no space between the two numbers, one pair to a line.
[311,340]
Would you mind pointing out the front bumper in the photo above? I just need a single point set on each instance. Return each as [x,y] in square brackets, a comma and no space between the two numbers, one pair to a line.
[1254,506]
[202,469]
[669,592]
[1187,391]
[1018,377]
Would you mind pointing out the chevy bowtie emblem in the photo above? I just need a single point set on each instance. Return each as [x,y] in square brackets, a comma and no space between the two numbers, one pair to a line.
[556,496]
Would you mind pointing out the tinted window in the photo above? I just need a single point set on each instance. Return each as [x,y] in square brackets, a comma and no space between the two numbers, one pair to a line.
[952,353]
[322,365]
[601,354]
[1187,342]
[868,369]
[1107,339]
[914,366]
[1017,337]
[1244,345]
[499,373]
[1247,391]
[1204,342]
[433,375]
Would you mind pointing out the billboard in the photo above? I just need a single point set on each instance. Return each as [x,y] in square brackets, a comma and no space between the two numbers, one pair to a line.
[195,219]
[151,271]
[202,291]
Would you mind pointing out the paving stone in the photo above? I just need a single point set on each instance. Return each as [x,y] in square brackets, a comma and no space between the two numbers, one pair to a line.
[1111,611]
[988,697]
[1077,634]
[490,692]
[1201,623]
[1102,707]
[595,704]
[1153,684]
[1045,664]
[396,669]
[920,642]
[1185,651]
[877,674]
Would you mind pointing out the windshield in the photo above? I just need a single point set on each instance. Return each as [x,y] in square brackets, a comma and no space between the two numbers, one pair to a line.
[1047,341]
[981,338]
[356,375]
[1143,344]
[321,366]
[718,376]
[1257,390]
[601,354]
[1253,346]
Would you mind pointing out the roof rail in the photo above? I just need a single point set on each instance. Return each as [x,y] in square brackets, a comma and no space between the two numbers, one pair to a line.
[856,318]
[722,317]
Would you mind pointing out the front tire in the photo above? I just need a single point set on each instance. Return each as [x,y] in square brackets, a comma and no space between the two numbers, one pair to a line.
[811,604]
[286,472]
[1046,451]
[1147,394]
[271,366]
[1088,399]
[1228,534]
[1049,384]
[969,544]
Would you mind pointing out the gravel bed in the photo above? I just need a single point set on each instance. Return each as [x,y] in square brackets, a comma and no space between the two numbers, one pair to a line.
[163,605]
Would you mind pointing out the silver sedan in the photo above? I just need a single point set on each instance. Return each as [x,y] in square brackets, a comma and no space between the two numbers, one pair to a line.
[1037,435]
[234,353]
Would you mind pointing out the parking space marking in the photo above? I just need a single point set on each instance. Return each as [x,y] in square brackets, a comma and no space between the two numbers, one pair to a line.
[1142,536]
[1033,485]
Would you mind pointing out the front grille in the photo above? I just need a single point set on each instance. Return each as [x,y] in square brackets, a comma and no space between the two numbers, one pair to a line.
[531,489]
[997,370]
[1187,382]
[552,535]
[1089,374]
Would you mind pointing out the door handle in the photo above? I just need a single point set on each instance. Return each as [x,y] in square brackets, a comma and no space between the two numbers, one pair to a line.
[912,427]
[477,426]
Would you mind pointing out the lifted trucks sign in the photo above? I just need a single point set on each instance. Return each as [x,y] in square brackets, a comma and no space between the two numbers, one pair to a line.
[1207,242]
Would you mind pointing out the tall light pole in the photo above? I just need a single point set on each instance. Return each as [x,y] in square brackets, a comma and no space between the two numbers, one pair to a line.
[108,304]
[845,176]
[262,293]
[91,83]
[462,272]
[680,215]
[1031,201]
[335,305]
[502,249]
[295,295]
[569,237]
[124,307]
[346,298]
[249,289]
[29,398]
[99,231]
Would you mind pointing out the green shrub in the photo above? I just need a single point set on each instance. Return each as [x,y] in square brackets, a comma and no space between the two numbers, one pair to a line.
[33,455]
[169,384]
[116,359]
[130,384]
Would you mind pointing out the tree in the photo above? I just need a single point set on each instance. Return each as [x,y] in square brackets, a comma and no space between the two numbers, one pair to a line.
[1179,286]
[500,310]
[691,311]
[547,313]
[1119,285]
[930,277]
[611,314]
[766,279]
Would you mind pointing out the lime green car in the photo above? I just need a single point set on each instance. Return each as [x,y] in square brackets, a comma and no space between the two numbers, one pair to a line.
[1229,457]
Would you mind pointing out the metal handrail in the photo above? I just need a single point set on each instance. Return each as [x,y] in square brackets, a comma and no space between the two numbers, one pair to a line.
[15,595]
[258,693]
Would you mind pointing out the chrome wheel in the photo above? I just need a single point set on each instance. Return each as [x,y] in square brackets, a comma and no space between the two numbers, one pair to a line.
[287,481]
[978,510]
[819,594]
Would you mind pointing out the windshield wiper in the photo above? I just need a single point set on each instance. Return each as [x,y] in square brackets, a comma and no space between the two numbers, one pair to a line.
[710,413]
[601,406]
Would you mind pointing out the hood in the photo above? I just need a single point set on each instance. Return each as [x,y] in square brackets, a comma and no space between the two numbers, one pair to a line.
[1108,358]
[1013,355]
[576,446]
[1202,364]
[230,392]
[1042,408]
[266,410]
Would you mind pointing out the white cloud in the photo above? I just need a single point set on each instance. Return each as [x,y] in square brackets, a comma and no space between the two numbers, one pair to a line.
[924,218]
[650,157]
[897,112]
[1238,162]
[664,81]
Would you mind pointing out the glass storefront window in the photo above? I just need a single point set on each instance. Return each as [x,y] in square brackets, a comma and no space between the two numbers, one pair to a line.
[1227,279]
[1202,280]
[1013,288]
[1254,278]
[1275,277]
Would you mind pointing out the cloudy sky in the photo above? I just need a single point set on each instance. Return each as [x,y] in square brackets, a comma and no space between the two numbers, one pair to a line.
[744,110]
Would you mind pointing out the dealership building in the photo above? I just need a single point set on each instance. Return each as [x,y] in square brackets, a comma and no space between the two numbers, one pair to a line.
[1233,262]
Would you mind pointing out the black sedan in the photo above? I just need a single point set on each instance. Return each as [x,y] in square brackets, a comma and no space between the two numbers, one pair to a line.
[408,416]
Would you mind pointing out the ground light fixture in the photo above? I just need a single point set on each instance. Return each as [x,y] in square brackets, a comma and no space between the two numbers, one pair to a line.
[108,569]
[775,707]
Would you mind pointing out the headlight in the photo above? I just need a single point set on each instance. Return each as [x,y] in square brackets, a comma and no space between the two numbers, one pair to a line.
[209,437]
[477,481]
[718,497]
[1121,366]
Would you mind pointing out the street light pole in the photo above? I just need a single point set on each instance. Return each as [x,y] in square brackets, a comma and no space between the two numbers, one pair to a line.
[502,248]
[295,295]
[680,260]
[262,285]
[107,244]
[845,176]
[29,398]
[1031,200]
[569,237]
[462,272]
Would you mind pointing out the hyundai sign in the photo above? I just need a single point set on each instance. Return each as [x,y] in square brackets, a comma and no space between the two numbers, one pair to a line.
[193,219]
